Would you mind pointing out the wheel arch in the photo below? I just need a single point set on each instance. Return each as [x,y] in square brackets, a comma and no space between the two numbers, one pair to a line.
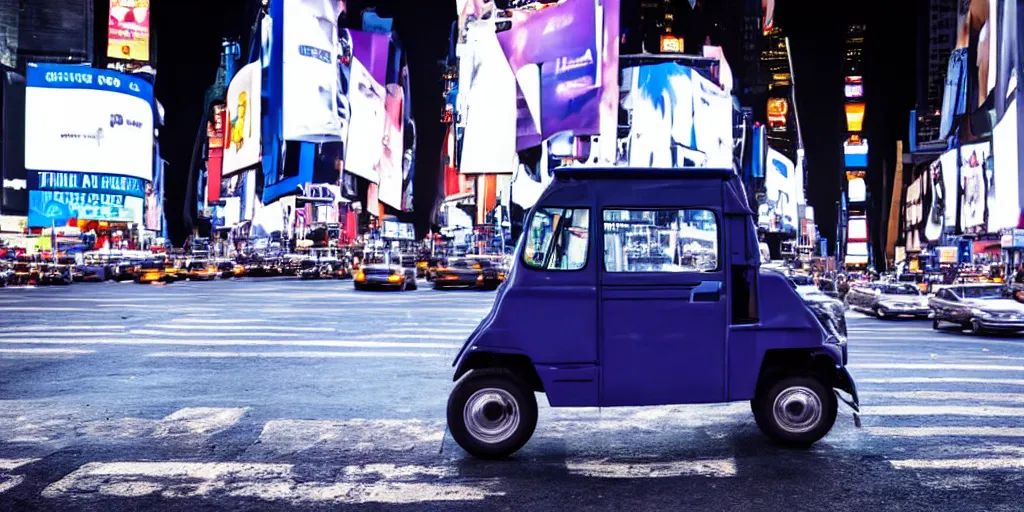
[781,363]
[519,365]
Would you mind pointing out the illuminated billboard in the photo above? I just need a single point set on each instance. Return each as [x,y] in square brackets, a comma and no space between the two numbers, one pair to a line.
[858,190]
[242,131]
[858,229]
[778,113]
[80,119]
[854,117]
[128,30]
[973,182]
[853,91]
[856,154]
[672,44]
[310,63]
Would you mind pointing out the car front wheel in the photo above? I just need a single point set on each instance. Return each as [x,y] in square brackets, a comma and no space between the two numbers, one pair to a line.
[491,413]
[796,411]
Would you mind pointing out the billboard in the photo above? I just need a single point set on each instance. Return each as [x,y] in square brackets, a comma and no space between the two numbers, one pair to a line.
[778,212]
[243,130]
[1004,212]
[858,229]
[154,205]
[855,154]
[373,51]
[857,190]
[667,101]
[366,127]
[13,179]
[58,197]
[973,180]
[88,120]
[853,91]
[310,71]
[390,190]
[778,114]
[1007,58]
[914,213]
[128,30]
[854,117]
[489,109]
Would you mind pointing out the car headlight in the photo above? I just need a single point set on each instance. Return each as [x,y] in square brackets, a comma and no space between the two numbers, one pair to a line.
[980,313]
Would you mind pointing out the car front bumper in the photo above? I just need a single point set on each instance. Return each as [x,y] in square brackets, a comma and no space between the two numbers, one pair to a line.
[992,324]
[907,311]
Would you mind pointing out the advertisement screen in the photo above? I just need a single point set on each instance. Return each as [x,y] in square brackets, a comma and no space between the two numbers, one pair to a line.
[373,51]
[48,208]
[1007,58]
[854,117]
[128,30]
[88,120]
[858,190]
[778,212]
[154,206]
[856,155]
[366,127]
[390,191]
[950,187]
[858,229]
[242,147]
[310,70]
[973,181]
[1005,154]
[489,144]
[668,100]
[913,214]
[853,91]
[778,112]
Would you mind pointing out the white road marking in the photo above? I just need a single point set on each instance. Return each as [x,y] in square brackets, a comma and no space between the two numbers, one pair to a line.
[942,410]
[427,330]
[940,380]
[978,464]
[44,309]
[417,336]
[293,355]
[946,431]
[921,366]
[718,468]
[8,482]
[199,421]
[243,321]
[948,395]
[288,438]
[12,464]
[265,481]
[44,352]
[240,327]
[200,334]
[55,328]
[193,342]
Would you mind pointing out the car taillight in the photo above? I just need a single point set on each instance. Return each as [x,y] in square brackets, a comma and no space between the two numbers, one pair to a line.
[480,278]
[395,278]
[361,276]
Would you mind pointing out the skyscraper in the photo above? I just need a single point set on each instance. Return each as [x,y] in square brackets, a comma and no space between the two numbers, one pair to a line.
[936,39]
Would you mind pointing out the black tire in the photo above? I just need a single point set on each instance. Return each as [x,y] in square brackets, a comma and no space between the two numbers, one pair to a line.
[359,287]
[935,323]
[800,434]
[880,313]
[974,327]
[523,400]
[415,285]
[404,286]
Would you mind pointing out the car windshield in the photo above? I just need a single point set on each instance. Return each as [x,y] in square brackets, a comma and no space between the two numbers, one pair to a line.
[982,292]
[900,290]
[801,280]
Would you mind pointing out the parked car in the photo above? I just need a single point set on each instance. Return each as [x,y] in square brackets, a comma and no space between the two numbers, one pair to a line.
[977,308]
[604,309]
[889,300]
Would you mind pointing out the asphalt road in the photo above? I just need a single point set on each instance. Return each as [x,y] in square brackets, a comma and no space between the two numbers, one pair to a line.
[258,394]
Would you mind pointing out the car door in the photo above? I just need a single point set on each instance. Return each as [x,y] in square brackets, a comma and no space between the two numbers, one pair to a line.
[663,313]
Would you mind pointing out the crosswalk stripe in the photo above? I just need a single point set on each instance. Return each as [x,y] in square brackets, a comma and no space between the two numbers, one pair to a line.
[228,343]
[12,464]
[240,327]
[941,410]
[292,355]
[401,336]
[947,395]
[58,328]
[243,321]
[718,468]
[206,334]
[43,352]
[975,464]
[946,431]
[920,366]
[939,380]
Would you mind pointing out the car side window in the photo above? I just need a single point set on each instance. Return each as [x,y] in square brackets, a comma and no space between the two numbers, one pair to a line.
[557,239]
[661,241]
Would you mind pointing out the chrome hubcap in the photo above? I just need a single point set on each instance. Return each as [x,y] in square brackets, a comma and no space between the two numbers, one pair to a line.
[797,410]
[491,415]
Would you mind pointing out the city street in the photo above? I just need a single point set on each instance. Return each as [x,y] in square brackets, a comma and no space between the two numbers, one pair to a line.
[283,393]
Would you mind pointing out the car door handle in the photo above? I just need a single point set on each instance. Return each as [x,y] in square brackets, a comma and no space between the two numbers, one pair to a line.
[706,291]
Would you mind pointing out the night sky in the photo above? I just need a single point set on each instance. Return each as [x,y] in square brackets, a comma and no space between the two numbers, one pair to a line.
[188,45]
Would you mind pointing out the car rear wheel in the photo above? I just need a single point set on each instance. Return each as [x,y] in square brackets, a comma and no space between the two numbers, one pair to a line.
[935,323]
[491,413]
[796,411]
